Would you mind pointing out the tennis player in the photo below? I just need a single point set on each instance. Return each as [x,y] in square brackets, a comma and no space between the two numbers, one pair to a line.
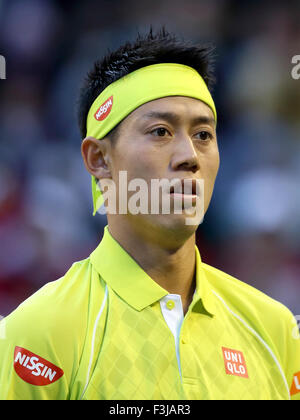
[143,317]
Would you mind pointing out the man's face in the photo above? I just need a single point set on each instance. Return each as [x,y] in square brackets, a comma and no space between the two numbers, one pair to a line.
[168,138]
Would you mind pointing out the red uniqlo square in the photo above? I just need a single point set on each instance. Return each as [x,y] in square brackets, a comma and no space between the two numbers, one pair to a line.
[235,363]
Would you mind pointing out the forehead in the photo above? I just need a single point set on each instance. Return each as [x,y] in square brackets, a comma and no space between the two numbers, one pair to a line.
[184,107]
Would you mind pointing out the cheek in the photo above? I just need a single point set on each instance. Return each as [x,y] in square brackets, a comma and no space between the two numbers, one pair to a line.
[139,162]
[210,169]
[215,164]
[213,160]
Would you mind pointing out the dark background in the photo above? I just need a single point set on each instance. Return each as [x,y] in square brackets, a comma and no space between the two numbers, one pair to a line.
[252,227]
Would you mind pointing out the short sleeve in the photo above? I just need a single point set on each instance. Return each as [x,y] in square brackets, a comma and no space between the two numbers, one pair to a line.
[40,345]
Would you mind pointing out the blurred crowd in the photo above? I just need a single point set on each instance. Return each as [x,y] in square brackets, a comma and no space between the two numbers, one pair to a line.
[252,228]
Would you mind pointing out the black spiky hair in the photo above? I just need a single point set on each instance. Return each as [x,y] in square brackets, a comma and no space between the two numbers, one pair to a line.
[151,48]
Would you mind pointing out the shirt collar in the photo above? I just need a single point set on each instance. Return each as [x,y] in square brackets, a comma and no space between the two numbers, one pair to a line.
[123,274]
[203,295]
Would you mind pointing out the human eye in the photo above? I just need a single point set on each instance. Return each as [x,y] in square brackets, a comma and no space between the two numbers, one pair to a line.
[204,135]
[160,131]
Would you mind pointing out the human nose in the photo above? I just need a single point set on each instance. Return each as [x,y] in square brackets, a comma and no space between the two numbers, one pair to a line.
[185,156]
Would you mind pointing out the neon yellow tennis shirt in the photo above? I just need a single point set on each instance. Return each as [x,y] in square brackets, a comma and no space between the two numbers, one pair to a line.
[106,330]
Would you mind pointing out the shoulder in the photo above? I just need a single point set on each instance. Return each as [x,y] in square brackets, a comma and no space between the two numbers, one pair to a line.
[268,319]
[53,302]
[52,323]
[260,311]
[239,292]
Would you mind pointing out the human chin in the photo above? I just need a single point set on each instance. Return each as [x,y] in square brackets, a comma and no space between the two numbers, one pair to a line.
[173,227]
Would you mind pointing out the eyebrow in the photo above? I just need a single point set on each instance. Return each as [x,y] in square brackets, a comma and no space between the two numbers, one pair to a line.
[175,118]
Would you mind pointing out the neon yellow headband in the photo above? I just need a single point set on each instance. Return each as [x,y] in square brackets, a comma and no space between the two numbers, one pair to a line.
[123,96]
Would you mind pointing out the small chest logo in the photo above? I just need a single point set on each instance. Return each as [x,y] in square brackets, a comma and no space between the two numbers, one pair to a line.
[295,388]
[235,363]
[104,110]
[33,369]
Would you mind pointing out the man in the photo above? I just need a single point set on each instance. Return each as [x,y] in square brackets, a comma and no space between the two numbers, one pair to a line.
[143,317]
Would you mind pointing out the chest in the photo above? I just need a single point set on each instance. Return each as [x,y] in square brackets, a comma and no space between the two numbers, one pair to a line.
[216,357]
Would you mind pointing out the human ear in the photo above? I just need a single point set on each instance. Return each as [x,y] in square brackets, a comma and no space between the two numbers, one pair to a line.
[96,157]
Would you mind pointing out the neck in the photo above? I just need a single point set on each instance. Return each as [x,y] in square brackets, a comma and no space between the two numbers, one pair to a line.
[172,267]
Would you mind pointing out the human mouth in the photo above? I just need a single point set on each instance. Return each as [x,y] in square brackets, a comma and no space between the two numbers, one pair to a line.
[185,191]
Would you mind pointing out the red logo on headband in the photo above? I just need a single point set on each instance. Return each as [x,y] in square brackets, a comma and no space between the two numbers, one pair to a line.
[104,110]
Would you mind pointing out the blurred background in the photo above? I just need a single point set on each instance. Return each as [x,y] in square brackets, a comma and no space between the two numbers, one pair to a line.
[252,228]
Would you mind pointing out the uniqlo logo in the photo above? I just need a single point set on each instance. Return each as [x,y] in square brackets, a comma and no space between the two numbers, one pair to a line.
[295,388]
[235,363]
